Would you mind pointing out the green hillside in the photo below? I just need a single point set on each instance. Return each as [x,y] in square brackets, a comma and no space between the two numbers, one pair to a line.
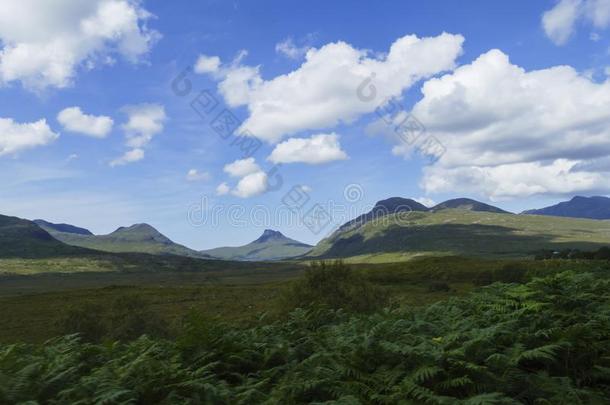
[139,238]
[271,245]
[20,238]
[462,232]
[468,204]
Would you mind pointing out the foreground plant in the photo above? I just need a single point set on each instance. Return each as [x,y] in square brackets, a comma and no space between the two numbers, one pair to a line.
[544,342]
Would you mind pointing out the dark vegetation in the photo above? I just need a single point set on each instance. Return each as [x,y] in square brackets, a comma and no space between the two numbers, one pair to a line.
[544,339]
[336,286]
[578,207]
[602,253]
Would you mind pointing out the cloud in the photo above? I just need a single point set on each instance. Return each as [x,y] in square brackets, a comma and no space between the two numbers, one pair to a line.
[144,122]
[44,44]
[498,122]
[241,168]
[251,185]
[74,120]
[223,189]
[290,50]
[252,179]
[207,64]
[331,85]
[195,175]
[559,22]
[130,156]
[517,180]
[317,149]
[15,137]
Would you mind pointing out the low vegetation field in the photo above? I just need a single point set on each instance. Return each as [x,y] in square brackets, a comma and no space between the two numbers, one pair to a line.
[437,331]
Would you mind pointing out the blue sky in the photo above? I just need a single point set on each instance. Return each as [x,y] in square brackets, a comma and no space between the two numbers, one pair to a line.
[520,109]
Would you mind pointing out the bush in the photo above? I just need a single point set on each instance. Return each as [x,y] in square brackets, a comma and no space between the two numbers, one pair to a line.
[544,342]
[510,273]
[86,320]
[335,285]
[131,317]
[128,318]
[438,286]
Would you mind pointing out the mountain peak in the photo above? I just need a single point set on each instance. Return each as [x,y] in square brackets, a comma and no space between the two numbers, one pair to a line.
[269,235]
[397,204]
[142,232]
[468,204]
[597,207]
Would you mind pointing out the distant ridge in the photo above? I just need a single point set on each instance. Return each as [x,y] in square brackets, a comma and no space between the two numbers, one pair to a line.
[271,245]
[578,207]
[138,238]
[456,227]
[468,204]
[392,205]
[25,239]
[62,227]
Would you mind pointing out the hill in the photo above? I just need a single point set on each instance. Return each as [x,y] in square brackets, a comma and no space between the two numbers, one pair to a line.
[461,232]
[468,204]
[578,207]
[139,238]
[62,227]
[24,239]
[393,205]
[271,245]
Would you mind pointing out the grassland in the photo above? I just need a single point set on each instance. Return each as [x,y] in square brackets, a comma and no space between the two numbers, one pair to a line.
[31,306]
[462,232]
[531,341]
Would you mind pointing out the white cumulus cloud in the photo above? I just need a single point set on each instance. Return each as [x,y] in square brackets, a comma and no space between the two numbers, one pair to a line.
[324,91]
[144,121]
[44,43]
[133,155]
[251,185]
[207,64]
[252,181]
[509,132]
[317,149]
[223,189]
[559,22]
[74,120]
[241,168]
[15,137]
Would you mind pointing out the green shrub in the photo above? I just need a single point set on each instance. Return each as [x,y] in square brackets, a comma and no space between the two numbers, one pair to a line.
[132,317]
[86,320]
[438,286]
[335,285]
[543,342]
[513,272]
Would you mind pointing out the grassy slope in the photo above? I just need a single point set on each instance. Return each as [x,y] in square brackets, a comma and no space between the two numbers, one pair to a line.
[259,251]
[25,239]
[450,232]
[117,242]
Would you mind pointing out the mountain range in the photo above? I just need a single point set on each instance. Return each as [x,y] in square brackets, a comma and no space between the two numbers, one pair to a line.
[405,227]
[271,245]
[456,227]
[138,238]
[578,207]
[24,239]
